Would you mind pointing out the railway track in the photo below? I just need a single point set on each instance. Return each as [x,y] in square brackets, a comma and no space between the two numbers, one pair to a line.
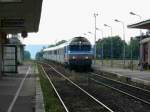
[127,89]
[73,97]
[110,93]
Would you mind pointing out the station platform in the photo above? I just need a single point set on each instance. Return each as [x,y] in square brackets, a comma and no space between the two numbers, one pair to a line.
[20,92]
[135,75]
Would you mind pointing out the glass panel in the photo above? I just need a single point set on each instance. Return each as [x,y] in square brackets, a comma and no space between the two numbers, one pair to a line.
[80,48]
[10,62]
[10,68]
[9,49]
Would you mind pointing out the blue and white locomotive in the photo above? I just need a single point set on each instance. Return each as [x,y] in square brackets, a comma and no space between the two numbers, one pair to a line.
[75,53]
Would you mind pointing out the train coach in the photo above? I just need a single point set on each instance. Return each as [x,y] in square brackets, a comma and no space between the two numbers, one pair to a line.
[75,53]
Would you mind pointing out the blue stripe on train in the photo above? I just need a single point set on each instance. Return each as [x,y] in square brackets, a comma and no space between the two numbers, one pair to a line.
[78,52]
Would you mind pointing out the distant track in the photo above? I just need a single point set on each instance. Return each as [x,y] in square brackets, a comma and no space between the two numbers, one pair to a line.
[127,89]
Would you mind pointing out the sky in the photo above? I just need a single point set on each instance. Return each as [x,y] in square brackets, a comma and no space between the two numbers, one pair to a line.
[65,19]
[33,49]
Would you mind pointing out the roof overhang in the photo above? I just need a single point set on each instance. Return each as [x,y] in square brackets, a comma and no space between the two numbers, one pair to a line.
[17,16]
[146,40]
[141,25]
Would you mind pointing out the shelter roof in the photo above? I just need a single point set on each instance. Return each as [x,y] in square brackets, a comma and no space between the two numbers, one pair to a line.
[141,25]
[17,16]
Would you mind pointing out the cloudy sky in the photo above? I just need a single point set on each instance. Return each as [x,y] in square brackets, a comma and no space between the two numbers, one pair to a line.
[64,19]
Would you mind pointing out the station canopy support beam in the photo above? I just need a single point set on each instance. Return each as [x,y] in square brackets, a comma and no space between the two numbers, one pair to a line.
[3,39]
[141,25]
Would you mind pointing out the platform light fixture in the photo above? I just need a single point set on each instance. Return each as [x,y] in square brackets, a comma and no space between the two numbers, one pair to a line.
[124,47]
[141,48]
[132,13]
[111,49]
[95,17]
[102,57]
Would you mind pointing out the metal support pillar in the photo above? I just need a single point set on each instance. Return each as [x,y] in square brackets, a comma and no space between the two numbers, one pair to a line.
[2,41]
[0,60]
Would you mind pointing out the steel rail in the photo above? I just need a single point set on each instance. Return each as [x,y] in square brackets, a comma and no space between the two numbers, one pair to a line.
[122,83]
[146,102]
[96,100]
[65,107]
[134,87]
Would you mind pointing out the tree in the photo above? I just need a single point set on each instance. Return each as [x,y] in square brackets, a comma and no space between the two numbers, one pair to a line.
[134,46]
[27,55]
[117,47]
[51,46]
[39,55]
[58,43]
[61,42]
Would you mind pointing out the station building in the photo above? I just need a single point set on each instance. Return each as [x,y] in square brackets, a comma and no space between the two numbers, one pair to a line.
[144,43]
[16,16]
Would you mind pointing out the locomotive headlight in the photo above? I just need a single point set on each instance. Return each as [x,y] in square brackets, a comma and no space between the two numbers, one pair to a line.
[73,57]
[86,57]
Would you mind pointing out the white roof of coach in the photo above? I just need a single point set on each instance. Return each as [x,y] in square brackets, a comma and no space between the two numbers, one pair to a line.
[56,47]
[66,43]
[146,40]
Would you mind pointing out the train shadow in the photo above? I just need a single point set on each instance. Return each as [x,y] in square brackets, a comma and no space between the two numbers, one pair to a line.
[82,69]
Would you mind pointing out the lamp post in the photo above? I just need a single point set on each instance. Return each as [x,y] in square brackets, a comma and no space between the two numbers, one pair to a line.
[94,47]
[131,56]
[95,15]
[84,34]
[141,47]
[124,47]
[111,49]
[132,13]
[102,45]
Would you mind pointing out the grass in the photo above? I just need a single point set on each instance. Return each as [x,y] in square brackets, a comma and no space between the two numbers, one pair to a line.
[51,101]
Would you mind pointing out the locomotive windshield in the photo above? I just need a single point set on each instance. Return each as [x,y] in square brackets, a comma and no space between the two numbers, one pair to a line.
[80,47]
[80,44]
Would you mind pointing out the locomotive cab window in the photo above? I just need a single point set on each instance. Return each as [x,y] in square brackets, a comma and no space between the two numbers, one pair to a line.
[80,47]
[65,49]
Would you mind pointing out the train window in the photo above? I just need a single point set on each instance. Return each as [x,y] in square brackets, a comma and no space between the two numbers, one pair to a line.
[86,47]
[55,52]
[65,49]
[80,47]
[58,51]
[62,50]
[50,52]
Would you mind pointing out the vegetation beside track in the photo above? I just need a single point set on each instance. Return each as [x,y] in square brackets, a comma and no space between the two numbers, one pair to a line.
[51,102]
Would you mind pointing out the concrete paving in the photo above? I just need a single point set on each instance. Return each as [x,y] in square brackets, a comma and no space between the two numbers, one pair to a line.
[26,99]
[135,75]
[9,86]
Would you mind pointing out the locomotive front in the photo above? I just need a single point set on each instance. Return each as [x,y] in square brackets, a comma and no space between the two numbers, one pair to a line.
[80,52]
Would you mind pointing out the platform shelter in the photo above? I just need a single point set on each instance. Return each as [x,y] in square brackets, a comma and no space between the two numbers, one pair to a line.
[144,43]
[18,16]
